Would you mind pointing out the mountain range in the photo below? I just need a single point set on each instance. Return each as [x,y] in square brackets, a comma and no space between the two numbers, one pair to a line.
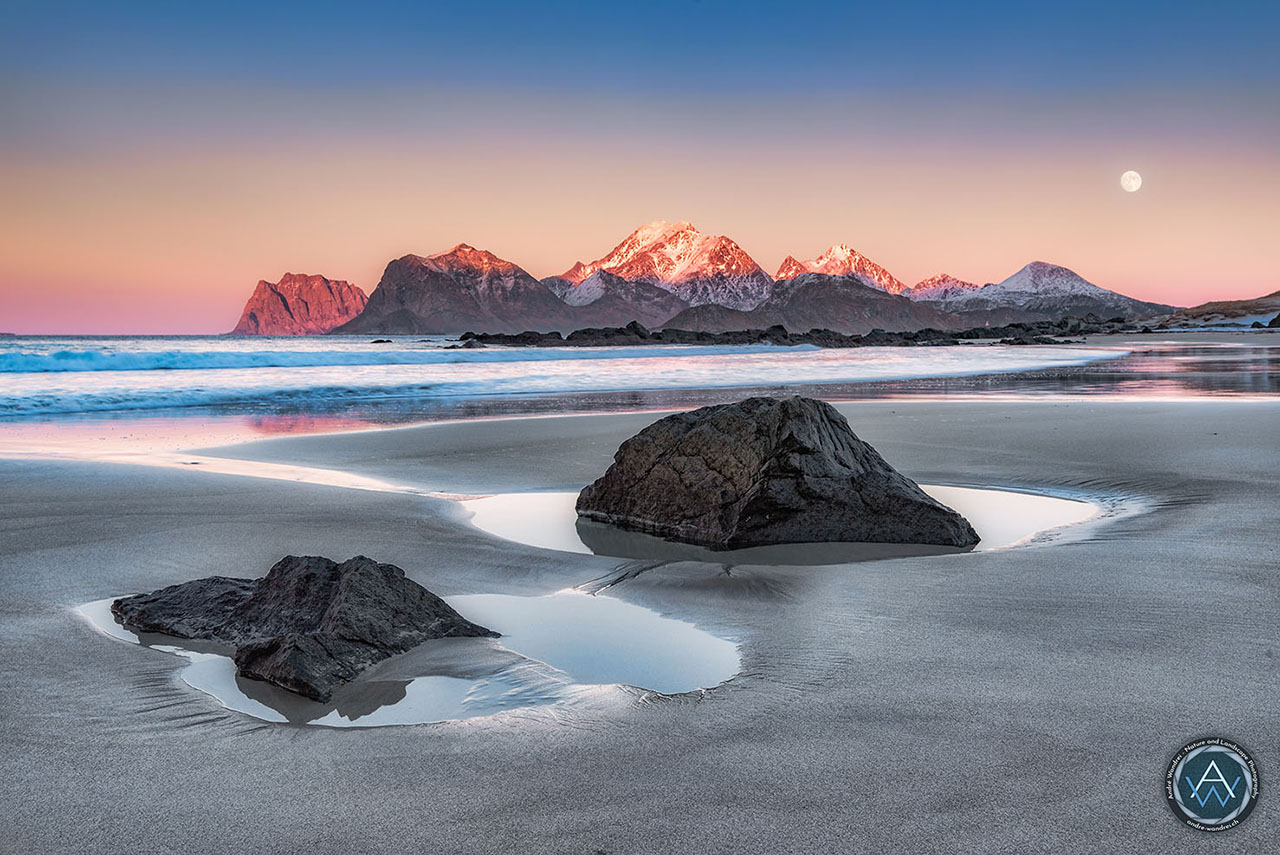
[670,275]
[1039,288]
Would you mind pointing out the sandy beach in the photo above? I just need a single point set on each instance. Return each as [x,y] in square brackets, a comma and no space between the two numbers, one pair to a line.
[981,702]
[681,429]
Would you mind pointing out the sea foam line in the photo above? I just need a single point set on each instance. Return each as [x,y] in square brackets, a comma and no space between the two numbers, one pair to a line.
[23,362]
[305,390]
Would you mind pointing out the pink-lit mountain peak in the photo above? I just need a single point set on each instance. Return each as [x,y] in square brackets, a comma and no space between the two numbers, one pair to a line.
[678,258]
[466,258]
[300,304]
[842,260]
[670,253]
[943,286]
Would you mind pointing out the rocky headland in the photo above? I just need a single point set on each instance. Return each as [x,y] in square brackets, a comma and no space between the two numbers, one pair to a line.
[299,304]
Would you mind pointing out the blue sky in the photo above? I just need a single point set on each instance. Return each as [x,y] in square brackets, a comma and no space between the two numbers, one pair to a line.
[654,46]
[157,159]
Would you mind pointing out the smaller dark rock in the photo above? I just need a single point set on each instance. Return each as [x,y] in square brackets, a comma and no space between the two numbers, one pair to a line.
[381,341]
[309,625]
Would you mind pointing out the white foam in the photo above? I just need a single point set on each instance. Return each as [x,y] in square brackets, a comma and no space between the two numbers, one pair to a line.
[327,378]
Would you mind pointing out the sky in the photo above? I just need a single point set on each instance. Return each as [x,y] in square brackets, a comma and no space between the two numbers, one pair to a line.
[158,159]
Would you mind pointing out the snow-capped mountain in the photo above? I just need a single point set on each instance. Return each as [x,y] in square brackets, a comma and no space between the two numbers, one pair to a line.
[944,286]
[677,257]
[460,289]
[1047,290]
[841,260]
[672,274]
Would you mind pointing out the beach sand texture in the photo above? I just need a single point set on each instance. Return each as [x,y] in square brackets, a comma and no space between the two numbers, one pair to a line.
[1016,701]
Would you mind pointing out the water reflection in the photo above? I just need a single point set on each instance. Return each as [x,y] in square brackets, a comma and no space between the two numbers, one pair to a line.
[555,649]
[1157,368]
[1002,518]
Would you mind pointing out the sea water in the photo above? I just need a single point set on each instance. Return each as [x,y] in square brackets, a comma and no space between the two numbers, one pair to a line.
[51,376]
[556,650]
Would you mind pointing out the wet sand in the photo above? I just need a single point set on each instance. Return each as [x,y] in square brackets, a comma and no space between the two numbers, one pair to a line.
[1017,701]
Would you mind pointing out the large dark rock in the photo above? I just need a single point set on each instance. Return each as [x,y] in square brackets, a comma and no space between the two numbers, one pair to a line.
[765,471]
[309,625]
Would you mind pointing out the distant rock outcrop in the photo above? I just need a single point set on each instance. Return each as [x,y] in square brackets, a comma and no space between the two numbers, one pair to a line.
[1228,312]
[309,625]
[299,304]
[633,335]
[765,471]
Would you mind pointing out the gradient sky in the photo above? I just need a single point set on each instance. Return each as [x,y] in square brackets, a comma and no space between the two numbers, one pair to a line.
[157,159]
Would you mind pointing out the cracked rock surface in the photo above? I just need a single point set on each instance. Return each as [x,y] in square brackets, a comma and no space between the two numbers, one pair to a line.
[765,471]
[309,625]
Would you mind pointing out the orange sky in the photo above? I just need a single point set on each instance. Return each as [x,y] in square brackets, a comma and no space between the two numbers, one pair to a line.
[115,220]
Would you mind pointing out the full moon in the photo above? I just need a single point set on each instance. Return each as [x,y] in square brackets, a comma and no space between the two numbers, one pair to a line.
[1131,181]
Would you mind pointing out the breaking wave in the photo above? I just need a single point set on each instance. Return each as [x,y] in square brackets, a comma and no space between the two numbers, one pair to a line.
[331,380]
[180,360]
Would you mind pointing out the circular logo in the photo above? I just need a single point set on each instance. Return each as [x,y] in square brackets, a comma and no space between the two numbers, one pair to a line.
[1212,784]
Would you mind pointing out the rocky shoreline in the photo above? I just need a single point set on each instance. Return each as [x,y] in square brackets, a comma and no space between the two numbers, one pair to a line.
[1038,332]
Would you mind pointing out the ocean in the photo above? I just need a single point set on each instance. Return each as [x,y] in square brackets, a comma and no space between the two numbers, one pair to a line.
[55,376]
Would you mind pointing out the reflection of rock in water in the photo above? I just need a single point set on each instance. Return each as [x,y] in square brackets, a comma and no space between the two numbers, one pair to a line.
[604,539]
[361,698]
[351,701]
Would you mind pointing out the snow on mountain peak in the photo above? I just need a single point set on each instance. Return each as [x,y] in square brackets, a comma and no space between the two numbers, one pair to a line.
[842,260]
[1044,289]
[940,287]
[698,268]
[1042,277]
[465,257]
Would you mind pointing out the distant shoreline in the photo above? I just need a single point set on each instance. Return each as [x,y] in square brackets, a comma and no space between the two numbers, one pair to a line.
[1038,332]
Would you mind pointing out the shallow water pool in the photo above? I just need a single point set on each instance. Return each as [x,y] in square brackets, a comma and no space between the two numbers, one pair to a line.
[1002,518]
[559,649]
